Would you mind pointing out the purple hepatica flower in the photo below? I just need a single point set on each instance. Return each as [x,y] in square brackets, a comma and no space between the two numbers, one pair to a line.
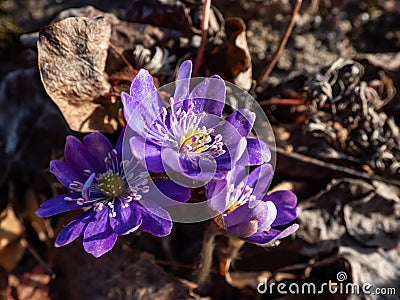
[247,212]
[189,137]
[95,174]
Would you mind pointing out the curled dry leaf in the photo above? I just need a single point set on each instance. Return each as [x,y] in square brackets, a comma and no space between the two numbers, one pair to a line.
[232,59]
[373,266]
[72,60]
[367,213]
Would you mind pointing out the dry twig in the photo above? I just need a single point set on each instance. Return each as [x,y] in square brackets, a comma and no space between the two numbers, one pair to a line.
[282,45]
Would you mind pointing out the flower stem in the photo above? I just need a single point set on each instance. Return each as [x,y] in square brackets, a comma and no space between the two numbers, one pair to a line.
[207,251]
[227,255]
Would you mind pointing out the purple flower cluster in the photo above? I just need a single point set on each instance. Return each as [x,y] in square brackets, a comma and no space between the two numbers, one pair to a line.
[189,136]
[247,212]
[111,197]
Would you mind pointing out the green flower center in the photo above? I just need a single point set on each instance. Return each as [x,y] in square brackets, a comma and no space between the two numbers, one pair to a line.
[110,184]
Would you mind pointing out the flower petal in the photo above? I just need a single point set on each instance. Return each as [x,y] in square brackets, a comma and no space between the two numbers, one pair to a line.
[282,198]
[156,220]
[242,120]
[87,186]
[253,210]
[142,86]
[259,179]
[78,157]
[144,117]
[208,96]
[270,216]
[243,230]
[173,190]
[216,193]
[74,229]
[58,205]
[99,237]
[182,84]
[285,202]
[148,154]
[127,219]
[98,146]
[256,153]
[264,238]
[119,145]
[65,173]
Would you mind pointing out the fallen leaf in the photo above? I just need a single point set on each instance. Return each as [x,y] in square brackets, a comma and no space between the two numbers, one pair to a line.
[232,59]
[12,246]
[32,285]
[72,60]
[377,267]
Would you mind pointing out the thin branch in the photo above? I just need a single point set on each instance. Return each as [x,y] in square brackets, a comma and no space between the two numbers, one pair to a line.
[335,167]
[282,45]
[278,101]
[204,31]
[123,58]
[36,255]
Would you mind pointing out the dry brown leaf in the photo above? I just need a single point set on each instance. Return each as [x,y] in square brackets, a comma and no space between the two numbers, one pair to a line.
[32,285]
[10,227]
[42,226]
[232,59]
[11,254]
[72,60]
[12,247]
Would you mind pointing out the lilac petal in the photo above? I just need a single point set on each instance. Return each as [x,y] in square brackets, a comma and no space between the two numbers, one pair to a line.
[78,157]
[173,190]
[243,230]
[58,205]
[285,202]
[148,154]
[145,115]
[119,144]
[226,161]
[216,193]
[259,179]
[156,221]
[127,219]
[74,229]
[284,197]
[87,186]
[209,96]
[242,120]
[99,237]
[269,216]
[65,173]
[253,210]
[173,160]
[237,175]
[264,238]
[257,153]
[182,84]
[202,171]
[142,86]
[98,146]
